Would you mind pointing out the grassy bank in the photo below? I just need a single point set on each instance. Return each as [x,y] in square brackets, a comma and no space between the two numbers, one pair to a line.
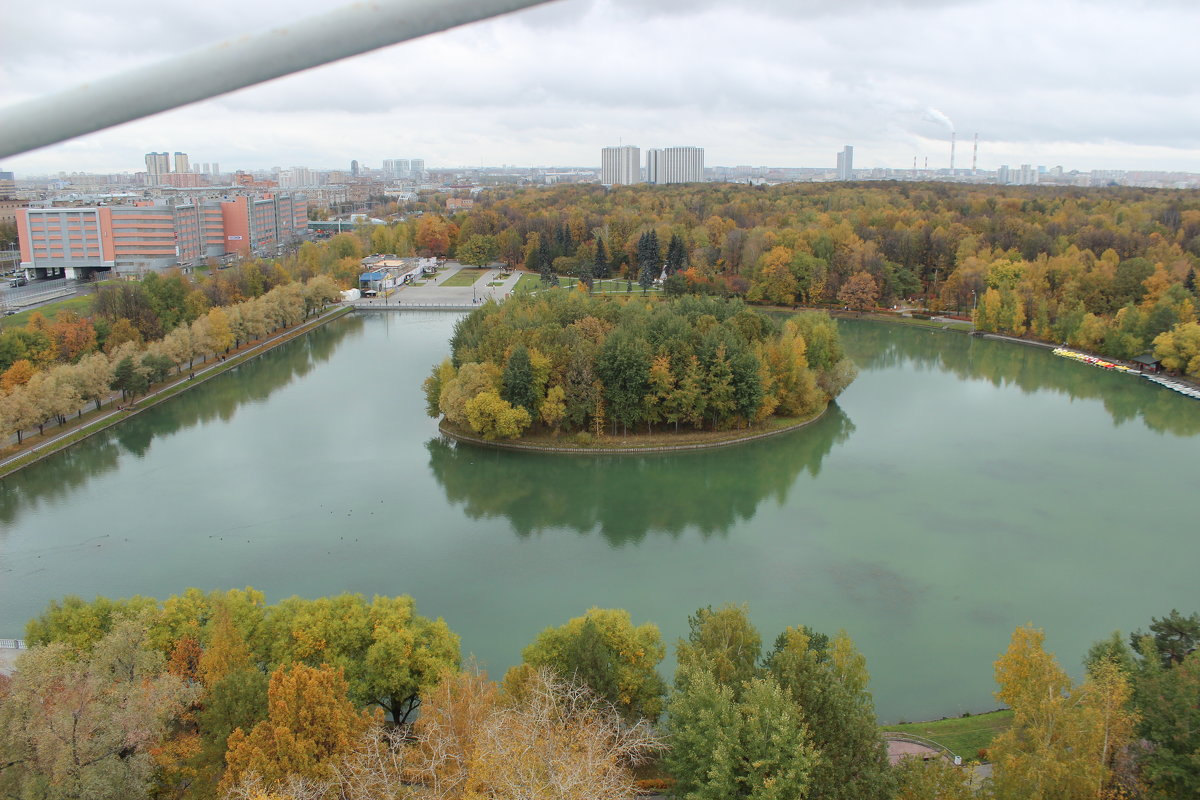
[965,736]
[467,276]
[80,305]
[659,441]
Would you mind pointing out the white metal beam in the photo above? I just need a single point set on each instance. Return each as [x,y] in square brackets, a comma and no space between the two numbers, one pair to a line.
[234,64]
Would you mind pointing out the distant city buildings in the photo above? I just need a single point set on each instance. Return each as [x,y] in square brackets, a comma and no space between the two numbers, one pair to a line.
[675,165]
[297,178]
[845,164]
[620,166]
[157,165]
[146,236]
[403,168]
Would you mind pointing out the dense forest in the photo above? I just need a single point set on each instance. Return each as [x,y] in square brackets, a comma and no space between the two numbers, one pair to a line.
[223,695]
[577,363]
[1111,271]
[1108,270]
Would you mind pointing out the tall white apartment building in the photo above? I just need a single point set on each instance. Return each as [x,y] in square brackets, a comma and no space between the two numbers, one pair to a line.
[675,165]
[620,165]
[157,165]
[181,162]
[845,164]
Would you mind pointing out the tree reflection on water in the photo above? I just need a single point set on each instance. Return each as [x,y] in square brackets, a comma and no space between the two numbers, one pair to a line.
[875,345]
[627,496]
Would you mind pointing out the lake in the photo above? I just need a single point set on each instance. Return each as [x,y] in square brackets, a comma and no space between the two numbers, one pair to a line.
[959,488]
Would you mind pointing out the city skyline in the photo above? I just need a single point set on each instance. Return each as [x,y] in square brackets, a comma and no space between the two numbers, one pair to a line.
[1085,85]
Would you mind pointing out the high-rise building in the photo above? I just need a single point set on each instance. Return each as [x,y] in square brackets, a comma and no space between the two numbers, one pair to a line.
[354,168]
[620,165]
[181,162]
[1002,175]
[845,164]
[297,177]
[675,165]
[157,165]
[216,168]
[150,236]
[417,168]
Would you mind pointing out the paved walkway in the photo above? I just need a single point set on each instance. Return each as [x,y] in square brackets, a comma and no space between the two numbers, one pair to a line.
[8,659]
[898,750]
[434,293]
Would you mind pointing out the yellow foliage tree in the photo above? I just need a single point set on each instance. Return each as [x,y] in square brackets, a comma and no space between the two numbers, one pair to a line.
[1179,349]
[495,418]
[1063,739]
[310,724]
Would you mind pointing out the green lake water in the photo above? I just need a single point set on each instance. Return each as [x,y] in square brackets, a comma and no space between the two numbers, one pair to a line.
[959,488]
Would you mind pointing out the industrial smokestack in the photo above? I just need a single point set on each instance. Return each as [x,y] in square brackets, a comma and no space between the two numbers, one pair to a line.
[975,155]
[953,135]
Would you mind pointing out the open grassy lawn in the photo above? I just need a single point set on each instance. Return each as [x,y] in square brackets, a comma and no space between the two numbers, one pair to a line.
[465,277]
[610,286]
[528,282]
[80,305]
[965,736]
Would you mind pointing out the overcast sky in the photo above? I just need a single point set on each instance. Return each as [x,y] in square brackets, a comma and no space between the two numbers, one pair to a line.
[1106,84]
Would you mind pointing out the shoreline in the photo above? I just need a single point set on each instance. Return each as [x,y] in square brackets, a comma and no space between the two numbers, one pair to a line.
[445,429]
[116,416]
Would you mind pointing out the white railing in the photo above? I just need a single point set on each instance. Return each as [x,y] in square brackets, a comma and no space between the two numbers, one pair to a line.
[12,644]
[235,64]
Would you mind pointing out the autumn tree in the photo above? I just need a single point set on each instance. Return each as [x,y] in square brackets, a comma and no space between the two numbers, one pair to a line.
[81,624]
[495,418]
[84,724]
[478,250]
[859,291]
[558,741]
[435,234]
[16,375]
[1063,738]
[554,408]
[387,651]
[1179,349]
[608,654]
[310,724]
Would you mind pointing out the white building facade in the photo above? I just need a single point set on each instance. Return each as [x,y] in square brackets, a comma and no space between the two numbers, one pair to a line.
[620,165]
[675,165]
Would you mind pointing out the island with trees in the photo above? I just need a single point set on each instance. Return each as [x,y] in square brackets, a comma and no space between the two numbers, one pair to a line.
[563,367]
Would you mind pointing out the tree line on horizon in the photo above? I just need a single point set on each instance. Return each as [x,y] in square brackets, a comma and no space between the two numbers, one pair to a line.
[223,695]
[1109,270]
